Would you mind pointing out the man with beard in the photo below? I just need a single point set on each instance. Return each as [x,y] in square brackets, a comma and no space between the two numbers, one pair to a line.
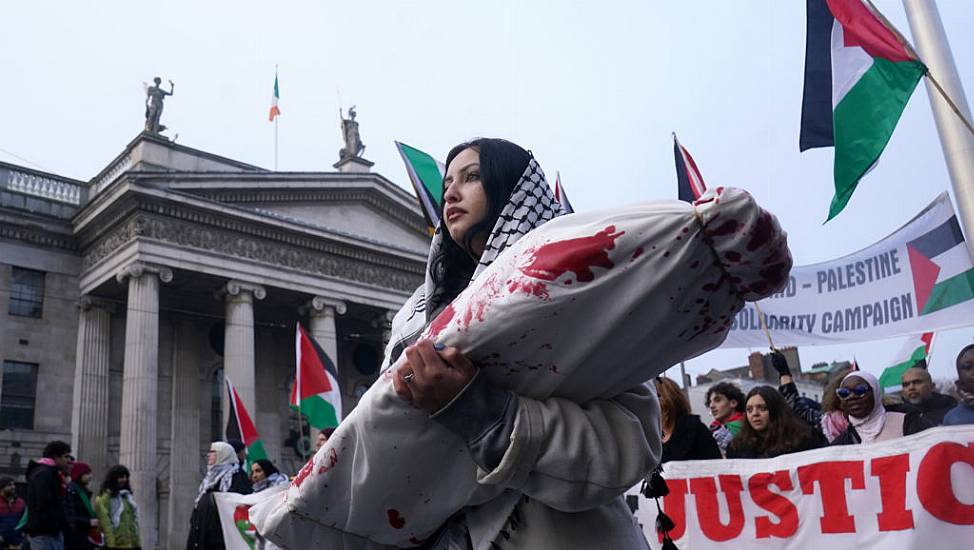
[918,390]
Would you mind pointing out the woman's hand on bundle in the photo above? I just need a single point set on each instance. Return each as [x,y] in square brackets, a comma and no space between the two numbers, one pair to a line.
[432,375]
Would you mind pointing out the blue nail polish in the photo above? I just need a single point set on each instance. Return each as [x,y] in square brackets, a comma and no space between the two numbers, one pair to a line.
[439,346]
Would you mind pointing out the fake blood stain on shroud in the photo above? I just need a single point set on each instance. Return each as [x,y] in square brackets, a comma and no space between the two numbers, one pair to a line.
[579,256]
[395,520]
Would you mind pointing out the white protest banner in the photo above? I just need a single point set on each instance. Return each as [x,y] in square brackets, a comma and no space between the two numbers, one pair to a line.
[914,492]
[238,532]
[919,279]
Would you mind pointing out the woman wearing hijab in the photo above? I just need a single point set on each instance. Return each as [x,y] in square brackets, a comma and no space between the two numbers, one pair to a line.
[118,515]
[869,421]
[494,194]
[264,475]
[223,474]
[771,428]
[685,436]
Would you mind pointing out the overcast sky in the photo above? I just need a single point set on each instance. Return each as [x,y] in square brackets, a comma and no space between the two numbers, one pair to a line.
[594,89]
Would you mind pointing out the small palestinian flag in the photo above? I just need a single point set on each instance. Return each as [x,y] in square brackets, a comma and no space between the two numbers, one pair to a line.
[241,427]
[426,175]
[943,275]
[915,348]
[689,182]
[858,80]
[316,392]
[241,520]
[560,195]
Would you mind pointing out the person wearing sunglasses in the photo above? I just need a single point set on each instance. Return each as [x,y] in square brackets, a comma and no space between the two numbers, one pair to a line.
[862,400]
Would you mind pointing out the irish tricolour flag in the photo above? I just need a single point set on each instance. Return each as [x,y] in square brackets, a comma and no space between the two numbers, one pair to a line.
[916,348]
[241,427]
[858,80]
[316,392]
[426,174]
[275,110]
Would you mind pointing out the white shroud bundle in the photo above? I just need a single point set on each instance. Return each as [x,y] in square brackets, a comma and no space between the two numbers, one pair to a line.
[586,306]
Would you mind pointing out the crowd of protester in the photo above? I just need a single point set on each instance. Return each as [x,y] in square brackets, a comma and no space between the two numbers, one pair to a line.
[59,510]
[769,422]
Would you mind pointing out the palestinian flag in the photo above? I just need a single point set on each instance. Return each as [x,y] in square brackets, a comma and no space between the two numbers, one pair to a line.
[426,175]
[689,182]
[241,427]
[943,275]
[560,195]
[858,80]
[316,392]
[275,110]
[916,348]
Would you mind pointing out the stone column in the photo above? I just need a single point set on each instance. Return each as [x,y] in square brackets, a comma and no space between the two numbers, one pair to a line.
[140,382]
[89,412]
[322,311]
[185,460]
[238,341]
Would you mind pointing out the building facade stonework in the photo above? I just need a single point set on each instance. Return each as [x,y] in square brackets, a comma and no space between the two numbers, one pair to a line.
[126,300]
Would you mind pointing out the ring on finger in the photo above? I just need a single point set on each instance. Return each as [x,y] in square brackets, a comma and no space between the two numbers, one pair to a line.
[408,377]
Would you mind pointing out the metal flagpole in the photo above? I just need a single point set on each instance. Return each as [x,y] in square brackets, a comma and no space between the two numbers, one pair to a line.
[275,119]
[955,138]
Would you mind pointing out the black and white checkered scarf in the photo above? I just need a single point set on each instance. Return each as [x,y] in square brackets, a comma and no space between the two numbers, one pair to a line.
[530,205]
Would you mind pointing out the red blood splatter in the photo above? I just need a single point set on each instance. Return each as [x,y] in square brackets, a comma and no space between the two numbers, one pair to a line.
[579,256]
[695,264]
[441,321]
[305,472]
[534,288]
[686,229]
[637,253]
[733,255]
[332,461]
[727,228]
[395,520]
[415,540]
[761,233]
[554,369]
[666,254]
[719,190]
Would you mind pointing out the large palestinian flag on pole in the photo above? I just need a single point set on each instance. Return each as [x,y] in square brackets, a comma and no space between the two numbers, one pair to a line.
[316,393]
[916,348]
[858,80]
[241,427]
[426,175]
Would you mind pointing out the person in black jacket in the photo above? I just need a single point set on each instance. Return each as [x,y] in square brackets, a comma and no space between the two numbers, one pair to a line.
[918,390]
[46,487]
[223,474]
[685,437]
[771,428]
[83,533]
[862,400]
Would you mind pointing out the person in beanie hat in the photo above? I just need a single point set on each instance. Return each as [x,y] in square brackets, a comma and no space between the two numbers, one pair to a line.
[83,532]
[11,510]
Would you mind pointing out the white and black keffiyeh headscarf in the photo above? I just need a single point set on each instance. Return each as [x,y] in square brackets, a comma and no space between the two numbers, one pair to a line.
[531,204]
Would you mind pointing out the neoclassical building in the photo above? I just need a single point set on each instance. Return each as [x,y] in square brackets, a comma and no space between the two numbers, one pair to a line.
[125,300]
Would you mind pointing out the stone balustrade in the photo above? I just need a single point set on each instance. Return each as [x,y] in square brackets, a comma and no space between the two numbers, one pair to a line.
[42,185]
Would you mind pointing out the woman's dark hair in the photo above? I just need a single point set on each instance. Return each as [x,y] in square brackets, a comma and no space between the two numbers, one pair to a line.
[728,390]
[672,402]
[267,466]
[786,433]
[110,484]
[501,165]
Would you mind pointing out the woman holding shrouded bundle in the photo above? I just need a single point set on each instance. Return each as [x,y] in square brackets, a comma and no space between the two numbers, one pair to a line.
[611,442]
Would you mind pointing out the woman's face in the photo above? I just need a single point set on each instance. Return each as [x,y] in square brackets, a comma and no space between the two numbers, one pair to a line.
[464,199]
[855,405]
[85,479]
[211,457]
[257,473]
[121,481]
[757,413]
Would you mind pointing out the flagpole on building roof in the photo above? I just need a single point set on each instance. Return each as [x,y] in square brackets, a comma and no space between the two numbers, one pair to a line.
[275,124]
[955,138]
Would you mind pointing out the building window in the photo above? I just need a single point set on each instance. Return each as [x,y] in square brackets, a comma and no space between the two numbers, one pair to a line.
[26,292]
[17,395]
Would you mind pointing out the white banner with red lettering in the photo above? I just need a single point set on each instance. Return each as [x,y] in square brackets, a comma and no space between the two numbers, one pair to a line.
[914,492]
